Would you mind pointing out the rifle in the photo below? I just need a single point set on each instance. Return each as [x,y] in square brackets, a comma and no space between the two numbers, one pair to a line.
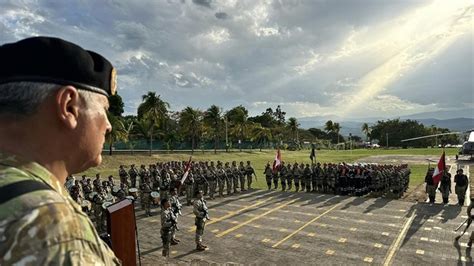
[469,221]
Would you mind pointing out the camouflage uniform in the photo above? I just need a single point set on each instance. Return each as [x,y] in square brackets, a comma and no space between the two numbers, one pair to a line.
[200,210]
[268,176]
[235,176]
[133,175]
[249,171]
[145,196]
[168,221]
[45,227]
[176,209]
[228,180]
[242,173]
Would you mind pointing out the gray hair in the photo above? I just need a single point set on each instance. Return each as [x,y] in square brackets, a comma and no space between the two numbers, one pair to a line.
[23,98]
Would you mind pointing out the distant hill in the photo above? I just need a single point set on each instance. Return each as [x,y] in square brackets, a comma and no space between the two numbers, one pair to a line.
[354,127]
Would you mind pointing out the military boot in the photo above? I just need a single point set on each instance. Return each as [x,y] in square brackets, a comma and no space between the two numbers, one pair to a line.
[199,247]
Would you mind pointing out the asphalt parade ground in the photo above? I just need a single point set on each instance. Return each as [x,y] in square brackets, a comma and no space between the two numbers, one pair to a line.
[287,228]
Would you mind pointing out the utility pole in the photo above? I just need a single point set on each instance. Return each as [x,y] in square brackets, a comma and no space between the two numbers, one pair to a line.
[226,136]
[350,142]
[386,138]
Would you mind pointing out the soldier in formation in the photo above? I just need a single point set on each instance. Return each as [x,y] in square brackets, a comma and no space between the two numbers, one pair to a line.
[341,179]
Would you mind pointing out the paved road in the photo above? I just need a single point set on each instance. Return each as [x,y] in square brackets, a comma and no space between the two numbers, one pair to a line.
[288,228]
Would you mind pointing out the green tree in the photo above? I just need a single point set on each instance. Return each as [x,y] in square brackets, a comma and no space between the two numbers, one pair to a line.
[118,132]
[336,128]
[213,120]
[366,129]
[261,135]
[190,122]
[116,105]
[153,108]
[237,117]
[329,126]
[293,127]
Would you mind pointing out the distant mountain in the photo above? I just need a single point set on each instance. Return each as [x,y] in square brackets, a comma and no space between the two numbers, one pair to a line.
[354,126]
[466,113]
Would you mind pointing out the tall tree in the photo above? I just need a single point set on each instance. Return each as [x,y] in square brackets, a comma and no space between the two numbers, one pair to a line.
[118,132]
[213,120]
[190,121]
[366,129]
[293,126]
[260,134]
[336,128]
[329,127]
[116,105]
[237,118]
[154,109]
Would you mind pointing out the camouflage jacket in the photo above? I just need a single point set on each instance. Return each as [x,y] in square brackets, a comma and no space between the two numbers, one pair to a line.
[45,227]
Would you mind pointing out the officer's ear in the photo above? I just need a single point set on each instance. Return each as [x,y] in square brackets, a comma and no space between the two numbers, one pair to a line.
[67,106]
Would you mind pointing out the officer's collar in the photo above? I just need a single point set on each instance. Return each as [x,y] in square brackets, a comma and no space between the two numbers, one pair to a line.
[33,168]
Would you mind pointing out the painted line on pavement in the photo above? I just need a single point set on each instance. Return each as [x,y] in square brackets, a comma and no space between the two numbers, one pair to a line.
[396,244]
[255,218]
[306,224]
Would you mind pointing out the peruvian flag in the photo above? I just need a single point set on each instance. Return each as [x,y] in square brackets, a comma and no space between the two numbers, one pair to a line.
[277,161]
[439,170]
[186,171]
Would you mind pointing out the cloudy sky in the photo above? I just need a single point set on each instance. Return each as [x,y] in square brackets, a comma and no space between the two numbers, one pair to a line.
[350,59]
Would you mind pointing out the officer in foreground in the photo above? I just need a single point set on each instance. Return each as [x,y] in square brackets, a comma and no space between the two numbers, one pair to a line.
[52,93]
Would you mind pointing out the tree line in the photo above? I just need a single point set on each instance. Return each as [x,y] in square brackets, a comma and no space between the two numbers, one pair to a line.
[230,129]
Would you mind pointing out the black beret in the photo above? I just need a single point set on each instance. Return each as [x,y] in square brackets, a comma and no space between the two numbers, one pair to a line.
[53,60]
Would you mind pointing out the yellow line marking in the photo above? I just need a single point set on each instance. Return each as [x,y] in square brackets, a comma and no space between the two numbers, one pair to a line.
[266,240]
[420,251]
[297,221]
[283,230]
[424,239]
[396,244]
[385,234]
[434,240]
[230,214]
[311,234]
[255,218]
[437,228]
[334,217]
[369,214]
[353,229]
[430,220]
[323,225]
[330,252]
[392,225]
[257,226]
[238,235]
[427,228]
[306,224]
[296,246]
[368,259]
[377,245]
[174,252]
[215,230]
[342,240]
[234,222]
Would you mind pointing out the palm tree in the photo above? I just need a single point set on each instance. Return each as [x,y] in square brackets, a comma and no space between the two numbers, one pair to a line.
[366,129]
[293,126]
[190,121]
[128,128]
[117,133]
[260,134]
[238,120]
[336,128]
[154,109]
[213,120]
[329,126]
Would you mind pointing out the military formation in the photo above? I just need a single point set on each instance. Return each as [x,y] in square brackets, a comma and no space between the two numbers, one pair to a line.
[162,184]
[340,179]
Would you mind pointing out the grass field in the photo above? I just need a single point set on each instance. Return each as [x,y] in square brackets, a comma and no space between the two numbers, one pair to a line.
[111,164]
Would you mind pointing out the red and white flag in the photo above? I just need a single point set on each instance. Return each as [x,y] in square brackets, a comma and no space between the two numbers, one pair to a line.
[186,171]
[439,170]
[277,161]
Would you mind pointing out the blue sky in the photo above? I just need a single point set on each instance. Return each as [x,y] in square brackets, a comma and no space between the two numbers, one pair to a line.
[350,59]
